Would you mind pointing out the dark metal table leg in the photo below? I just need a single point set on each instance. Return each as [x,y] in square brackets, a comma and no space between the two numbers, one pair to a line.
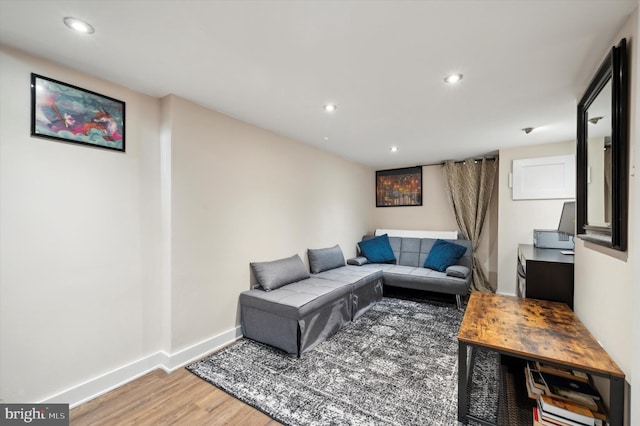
[462,383]
[616,403]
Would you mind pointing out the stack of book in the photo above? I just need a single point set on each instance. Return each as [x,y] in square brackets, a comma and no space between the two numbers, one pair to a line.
[564,397]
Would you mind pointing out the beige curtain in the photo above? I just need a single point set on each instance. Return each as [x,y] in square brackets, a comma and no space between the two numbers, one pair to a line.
[470,184]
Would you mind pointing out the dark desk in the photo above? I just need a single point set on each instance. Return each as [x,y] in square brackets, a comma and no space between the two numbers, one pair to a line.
[545,274]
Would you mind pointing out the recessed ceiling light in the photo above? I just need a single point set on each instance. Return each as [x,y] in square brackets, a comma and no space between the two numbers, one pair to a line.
[78,25]
[326,138]
[394,149]
[330,107]
[453,78]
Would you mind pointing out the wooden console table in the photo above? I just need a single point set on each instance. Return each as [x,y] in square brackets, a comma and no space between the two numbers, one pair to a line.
[534,330]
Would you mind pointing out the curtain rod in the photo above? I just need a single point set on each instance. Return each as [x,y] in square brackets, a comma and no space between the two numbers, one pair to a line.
[457,162]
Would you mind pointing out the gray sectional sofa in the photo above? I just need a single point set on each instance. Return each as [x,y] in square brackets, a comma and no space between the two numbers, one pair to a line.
[408,270]
[294,310]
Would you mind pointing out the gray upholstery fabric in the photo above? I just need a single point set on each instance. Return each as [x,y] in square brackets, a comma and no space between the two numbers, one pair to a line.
[366,286]
[349,274]
[458,271]
[414,251]
[409,273]
[325,258]
[269,328]
[323,323]
[295,336]
[297,299]
[298,316]
[275,274]
[358,261]
[424,279]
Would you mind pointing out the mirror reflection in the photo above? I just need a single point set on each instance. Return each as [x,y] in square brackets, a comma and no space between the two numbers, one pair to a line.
[599,159]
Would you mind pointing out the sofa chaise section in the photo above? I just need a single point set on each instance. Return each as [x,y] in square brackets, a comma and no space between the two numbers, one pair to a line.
[366,286]
[298,316]
[294,311]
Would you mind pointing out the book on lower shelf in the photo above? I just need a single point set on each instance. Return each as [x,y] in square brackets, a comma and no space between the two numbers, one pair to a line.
[566,400]
[562,372]
[542,419]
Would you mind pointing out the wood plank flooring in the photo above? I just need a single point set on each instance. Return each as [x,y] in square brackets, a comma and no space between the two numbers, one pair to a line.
[158,398]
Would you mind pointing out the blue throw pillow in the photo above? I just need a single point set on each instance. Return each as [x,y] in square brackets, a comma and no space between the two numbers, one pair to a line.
[377,249]
[444,254]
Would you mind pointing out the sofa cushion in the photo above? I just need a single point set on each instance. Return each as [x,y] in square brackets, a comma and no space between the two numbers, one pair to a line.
[424,279]
[277,273]
[444,254]
[377,249]
[297,299]
[458,271]
[350,274]
[325,259]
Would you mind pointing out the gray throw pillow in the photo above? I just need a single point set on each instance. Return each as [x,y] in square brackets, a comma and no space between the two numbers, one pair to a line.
[358,261]
[458,271]
[278,273]
[325,258]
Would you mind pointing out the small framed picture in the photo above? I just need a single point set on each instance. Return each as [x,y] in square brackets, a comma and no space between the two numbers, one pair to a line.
[399,187]
[68,113]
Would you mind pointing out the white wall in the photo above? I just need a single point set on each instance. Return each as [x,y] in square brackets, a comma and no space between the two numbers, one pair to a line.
[517,219]
[114,263]
[434,214]
[606,281]
[77,241]
[243,194]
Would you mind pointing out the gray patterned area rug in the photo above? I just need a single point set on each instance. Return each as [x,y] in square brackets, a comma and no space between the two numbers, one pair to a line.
[396,365]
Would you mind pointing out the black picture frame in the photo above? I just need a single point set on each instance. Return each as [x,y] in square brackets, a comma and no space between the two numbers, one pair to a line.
[399,187]
[64,112]
[614,69]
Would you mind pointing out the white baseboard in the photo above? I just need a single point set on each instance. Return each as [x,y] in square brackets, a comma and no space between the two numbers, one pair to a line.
[187,355]
[120,376]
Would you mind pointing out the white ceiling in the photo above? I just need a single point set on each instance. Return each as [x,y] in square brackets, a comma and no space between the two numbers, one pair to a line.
[276,63]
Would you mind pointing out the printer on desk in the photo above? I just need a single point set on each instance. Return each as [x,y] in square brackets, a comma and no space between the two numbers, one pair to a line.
[561,238]
[550,238]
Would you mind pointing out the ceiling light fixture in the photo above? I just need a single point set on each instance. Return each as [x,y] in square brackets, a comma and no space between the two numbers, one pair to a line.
[595,120]
[330,107]
[453,78]
[78,25]
[528,130]
[394,149]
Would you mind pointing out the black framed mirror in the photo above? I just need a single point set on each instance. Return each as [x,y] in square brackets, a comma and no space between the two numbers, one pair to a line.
[603,154]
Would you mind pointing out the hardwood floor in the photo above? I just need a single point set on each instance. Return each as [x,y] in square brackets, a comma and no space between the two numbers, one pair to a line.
[158,398]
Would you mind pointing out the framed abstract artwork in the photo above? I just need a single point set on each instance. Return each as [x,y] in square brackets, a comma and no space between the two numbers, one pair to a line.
[399,187]
[68,113]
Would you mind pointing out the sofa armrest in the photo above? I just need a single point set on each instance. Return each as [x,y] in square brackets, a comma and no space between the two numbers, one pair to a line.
[358,261]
